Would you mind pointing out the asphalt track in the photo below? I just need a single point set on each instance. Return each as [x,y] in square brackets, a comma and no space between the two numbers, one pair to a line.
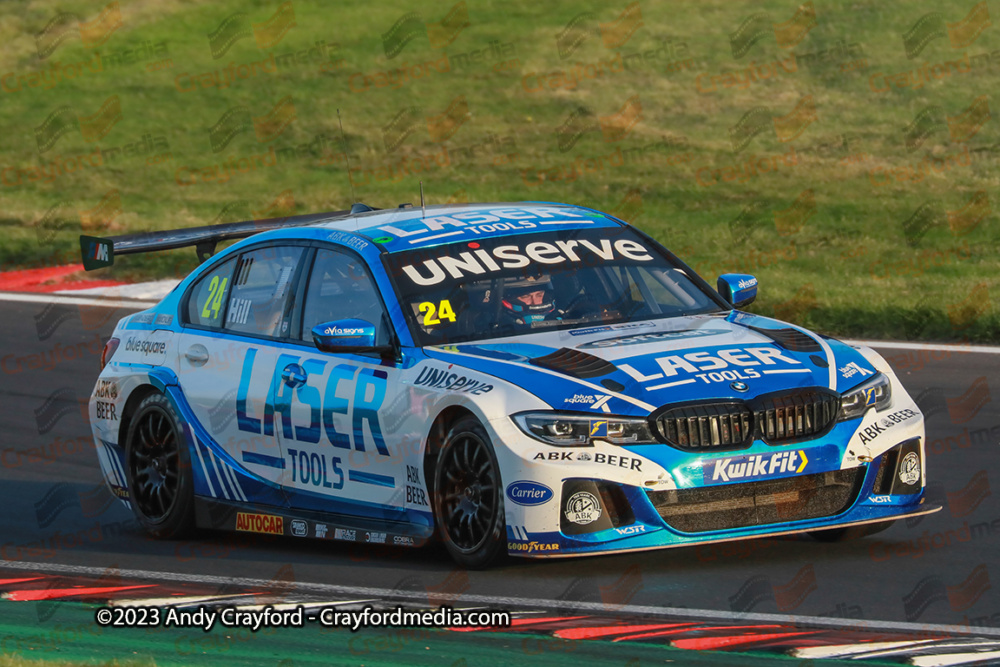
[937,569]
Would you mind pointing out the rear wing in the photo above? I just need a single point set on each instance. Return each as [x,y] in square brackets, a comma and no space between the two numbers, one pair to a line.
[98,252]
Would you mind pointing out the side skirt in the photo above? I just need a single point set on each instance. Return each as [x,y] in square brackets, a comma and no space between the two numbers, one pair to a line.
[267,520]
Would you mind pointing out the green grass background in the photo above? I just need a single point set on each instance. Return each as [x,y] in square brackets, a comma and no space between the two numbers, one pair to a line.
[850,270]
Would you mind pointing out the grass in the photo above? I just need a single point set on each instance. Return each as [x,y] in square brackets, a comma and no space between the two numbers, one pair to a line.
[17,660]
[859,247]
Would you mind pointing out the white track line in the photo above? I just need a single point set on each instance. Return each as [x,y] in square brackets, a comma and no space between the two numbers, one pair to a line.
[953,659]
[937,649]
[179,601]
[946,347]
[44,297]
[848,650]
[502,602]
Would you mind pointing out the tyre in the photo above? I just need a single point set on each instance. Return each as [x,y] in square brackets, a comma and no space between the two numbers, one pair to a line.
[468,498]
[848,533]
[158,464]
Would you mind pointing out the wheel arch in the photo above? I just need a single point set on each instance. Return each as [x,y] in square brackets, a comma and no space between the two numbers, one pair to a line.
[134,399]
[480,509]
[436,435]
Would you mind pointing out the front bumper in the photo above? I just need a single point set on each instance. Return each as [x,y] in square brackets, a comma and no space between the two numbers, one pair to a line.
[606,504]
[629,518]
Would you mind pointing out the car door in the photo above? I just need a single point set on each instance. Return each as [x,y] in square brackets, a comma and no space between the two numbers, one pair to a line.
[346,451]
[238,317]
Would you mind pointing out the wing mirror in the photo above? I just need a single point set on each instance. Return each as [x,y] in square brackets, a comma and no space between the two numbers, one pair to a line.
[739,289]
[347,336]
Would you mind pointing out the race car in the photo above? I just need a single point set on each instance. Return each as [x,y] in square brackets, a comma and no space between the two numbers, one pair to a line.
[532,379]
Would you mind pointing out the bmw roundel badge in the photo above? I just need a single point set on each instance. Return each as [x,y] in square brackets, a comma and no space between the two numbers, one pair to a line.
[739,386]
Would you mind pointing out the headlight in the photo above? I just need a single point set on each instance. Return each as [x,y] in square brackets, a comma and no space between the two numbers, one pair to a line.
[877,392]
[580,431]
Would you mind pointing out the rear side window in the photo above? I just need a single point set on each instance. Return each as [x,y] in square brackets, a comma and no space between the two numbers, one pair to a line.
[340,287]
[260,295]
[207,302]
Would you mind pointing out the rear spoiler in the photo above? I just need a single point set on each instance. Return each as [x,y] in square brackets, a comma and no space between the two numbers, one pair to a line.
[98,252]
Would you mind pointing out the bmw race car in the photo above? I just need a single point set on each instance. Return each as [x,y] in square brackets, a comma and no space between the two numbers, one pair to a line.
[535,379]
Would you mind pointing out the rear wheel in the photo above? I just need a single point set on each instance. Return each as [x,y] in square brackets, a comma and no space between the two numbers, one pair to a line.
[468,503]
[160,485]
[848,533]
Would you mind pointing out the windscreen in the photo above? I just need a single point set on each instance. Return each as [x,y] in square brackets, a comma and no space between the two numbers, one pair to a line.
[517,285]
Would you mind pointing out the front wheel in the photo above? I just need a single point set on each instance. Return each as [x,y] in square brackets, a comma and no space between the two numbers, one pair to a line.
[468,498]
[160,485]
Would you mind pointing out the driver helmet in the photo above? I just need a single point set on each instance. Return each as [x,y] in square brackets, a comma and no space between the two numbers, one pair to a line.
[529,300]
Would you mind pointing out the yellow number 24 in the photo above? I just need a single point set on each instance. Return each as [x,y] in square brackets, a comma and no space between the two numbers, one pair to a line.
[443,311]
[216,290]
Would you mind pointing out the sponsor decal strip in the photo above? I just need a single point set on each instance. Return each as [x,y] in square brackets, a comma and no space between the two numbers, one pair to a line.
[768,465]
[738,362]
[639,339]
[529,493]
[268,524]
[532,546]
[145,346]
[439,378]
[786,370]
[500,258]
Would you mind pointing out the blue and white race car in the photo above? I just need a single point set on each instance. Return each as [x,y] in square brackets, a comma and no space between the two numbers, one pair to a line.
[534,379]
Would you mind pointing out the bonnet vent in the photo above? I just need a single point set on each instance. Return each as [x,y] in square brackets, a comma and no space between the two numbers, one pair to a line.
[575,363]
[790,339]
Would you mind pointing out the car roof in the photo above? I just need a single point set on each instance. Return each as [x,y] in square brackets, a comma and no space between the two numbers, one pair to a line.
[401,229]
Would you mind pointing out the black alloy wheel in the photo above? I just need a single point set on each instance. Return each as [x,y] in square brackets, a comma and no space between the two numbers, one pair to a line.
[160,486]
[468,498]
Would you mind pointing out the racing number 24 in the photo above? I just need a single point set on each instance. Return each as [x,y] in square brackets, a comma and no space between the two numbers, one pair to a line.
[214,300]
[443,312]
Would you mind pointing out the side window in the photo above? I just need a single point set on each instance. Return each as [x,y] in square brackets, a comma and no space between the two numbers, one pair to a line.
[262,287]
[208,298]
[340,288]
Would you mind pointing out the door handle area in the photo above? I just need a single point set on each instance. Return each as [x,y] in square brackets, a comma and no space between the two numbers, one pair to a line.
[197,354]
[293,375]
